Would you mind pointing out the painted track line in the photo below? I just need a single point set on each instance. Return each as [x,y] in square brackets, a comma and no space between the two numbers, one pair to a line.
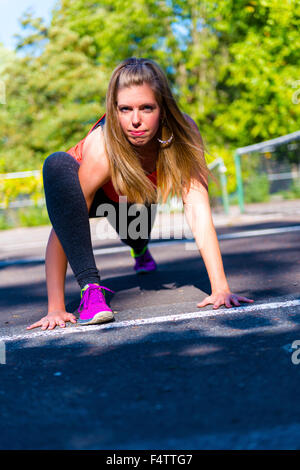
[260,232]
[187,241]
[150,321]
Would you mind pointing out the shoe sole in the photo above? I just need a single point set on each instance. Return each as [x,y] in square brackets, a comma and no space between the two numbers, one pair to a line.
[100,317]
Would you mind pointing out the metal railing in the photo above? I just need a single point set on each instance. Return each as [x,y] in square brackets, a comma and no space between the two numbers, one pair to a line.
[21,202]
[173,203]
[267,146]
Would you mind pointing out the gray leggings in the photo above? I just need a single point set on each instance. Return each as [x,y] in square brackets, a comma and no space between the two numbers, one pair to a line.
[69,216]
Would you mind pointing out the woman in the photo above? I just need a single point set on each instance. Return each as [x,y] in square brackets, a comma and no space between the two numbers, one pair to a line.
[144,148]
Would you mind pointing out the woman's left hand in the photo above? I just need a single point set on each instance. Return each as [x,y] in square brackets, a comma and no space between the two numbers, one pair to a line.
[224,297]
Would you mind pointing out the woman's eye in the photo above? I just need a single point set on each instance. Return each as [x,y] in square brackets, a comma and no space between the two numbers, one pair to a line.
[146,108]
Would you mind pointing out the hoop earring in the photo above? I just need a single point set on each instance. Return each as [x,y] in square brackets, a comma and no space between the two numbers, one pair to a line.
[169,140]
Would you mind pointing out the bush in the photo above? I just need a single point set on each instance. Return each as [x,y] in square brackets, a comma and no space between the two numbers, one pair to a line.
[257,189]
[20,188]
[33,216]
[4,223]
[293,192]
[26,217]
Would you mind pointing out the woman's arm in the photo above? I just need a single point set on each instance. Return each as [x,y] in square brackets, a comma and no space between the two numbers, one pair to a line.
[198,213]
[56,268]
[94,171]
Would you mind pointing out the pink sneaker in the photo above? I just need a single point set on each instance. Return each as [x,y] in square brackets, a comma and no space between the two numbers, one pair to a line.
[144,263]
[93,308]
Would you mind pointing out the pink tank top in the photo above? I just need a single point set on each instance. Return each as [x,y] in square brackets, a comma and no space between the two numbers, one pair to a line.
[108,187]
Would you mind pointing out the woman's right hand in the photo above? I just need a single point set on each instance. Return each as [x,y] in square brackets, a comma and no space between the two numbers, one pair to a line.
[57,317]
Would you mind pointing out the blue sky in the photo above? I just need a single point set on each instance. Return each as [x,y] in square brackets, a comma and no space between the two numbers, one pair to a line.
[11,11]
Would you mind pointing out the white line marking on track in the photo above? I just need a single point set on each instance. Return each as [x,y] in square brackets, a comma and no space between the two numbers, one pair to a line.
[15,262]
[150,321]
[257,233]
[20,246]
[191,241]
[114,249]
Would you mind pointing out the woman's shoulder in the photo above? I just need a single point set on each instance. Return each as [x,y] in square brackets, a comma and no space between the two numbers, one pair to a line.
[94,139]
[94,146]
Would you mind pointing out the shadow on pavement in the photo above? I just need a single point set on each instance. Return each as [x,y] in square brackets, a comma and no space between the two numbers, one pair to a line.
[166,389]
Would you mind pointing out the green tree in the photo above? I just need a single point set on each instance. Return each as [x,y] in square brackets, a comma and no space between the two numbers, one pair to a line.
[232,65]
[256,86]
[56,90]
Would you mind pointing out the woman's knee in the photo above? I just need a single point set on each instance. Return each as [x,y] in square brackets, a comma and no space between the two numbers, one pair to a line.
[57,162]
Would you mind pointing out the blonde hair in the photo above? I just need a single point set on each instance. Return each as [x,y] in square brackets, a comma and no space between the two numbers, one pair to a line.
[177,162]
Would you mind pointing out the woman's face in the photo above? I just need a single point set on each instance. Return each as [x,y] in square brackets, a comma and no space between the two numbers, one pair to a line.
[139,113]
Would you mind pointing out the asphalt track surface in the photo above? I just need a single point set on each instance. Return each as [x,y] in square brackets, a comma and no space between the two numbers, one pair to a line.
[165,374]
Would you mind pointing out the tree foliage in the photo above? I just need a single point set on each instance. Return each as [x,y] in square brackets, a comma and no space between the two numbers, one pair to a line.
[232,65]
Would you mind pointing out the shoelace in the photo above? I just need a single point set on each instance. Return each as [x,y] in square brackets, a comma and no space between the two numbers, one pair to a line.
[92,294]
